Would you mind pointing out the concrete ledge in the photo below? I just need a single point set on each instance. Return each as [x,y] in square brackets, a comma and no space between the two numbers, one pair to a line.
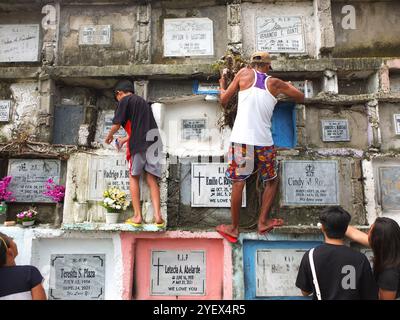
[118,227]
[19,72]
[206,70]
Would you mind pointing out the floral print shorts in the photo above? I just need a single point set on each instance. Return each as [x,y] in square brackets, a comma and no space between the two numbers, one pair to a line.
[244,160]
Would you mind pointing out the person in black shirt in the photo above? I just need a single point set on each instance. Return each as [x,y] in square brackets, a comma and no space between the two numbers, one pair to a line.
[135,115]
[342,273]
[384,239]
[17,282]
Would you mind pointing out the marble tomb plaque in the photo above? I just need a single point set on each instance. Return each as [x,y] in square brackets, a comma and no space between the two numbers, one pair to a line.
[335,130]
[77,277]
[396,118]
[210,187]
[188,37]
[309,183]
[280,34]
[108,171]
[276,272]
[178,273]
[5,107]
[30,176]
[95,35]
[19,42]
[389,188]
[193,129]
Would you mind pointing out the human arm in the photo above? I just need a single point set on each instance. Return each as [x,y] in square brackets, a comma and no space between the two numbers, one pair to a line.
[388,282]
[36,279]
[38,293]
[357,236]
[227,94]
[281,87]
[110,135]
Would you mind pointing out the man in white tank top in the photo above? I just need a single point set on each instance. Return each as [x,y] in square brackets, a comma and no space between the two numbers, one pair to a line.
[252,148]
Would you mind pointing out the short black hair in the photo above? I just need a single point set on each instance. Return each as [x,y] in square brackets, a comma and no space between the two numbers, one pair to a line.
[124,86]
[335,221]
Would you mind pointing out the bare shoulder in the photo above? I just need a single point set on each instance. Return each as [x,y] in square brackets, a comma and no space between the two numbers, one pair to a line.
[244,72]
[275,82]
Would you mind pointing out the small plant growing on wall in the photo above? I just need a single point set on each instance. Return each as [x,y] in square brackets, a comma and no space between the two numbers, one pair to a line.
[54,191]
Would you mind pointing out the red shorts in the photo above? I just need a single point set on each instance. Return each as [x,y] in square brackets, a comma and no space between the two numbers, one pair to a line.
[244,160]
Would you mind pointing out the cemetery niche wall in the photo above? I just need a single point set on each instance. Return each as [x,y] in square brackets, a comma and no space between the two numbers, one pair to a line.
[58,65]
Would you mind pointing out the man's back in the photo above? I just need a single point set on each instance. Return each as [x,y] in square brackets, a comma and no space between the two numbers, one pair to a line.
[342,273]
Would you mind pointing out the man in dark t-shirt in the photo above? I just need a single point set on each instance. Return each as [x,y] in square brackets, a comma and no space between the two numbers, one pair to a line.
[135,115]
[341,272]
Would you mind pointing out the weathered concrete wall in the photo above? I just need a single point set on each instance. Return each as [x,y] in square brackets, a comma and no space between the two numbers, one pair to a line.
[389,138]
[167,10]
[24,109]
[374,33]
[357,121]
[123,35]
[252,10]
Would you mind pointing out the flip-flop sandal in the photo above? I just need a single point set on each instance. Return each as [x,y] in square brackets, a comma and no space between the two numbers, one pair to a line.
[160,225]
[276,223]
[228,237]
[137,225]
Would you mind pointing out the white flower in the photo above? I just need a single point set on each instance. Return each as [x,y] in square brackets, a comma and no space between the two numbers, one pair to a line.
[118,207]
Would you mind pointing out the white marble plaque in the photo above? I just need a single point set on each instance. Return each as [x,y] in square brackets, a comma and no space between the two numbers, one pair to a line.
[19,42]
[280,34]
[276,272]
[108,171]
[95,35]
[188,37]
[210,186]
[389,188]
[5,106]
[178,273]
[309,183]
[193,129]
[77,277]
[30,176]
[396,118]
[335,130]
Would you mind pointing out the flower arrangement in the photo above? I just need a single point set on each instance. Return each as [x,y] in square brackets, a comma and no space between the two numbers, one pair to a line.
[24,216]
[54,191]
[114,200]
[4,194]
